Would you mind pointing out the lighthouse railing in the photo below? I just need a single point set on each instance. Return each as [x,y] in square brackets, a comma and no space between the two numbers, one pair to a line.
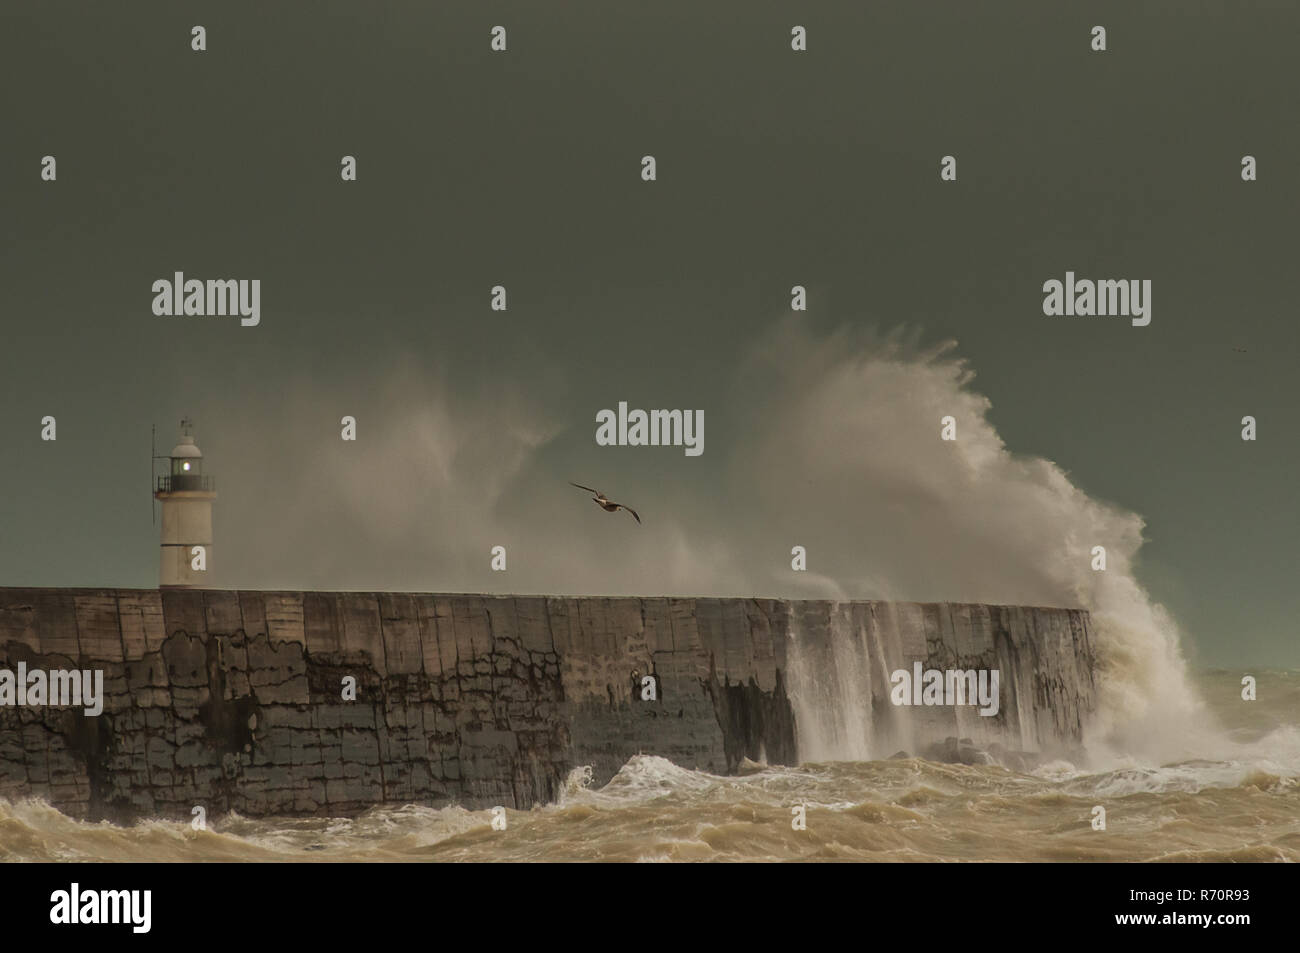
[186,482]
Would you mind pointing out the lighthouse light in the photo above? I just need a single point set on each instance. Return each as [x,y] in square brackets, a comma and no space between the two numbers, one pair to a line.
[185,465]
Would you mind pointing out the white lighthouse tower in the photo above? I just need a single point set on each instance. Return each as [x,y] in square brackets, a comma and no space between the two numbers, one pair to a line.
[186,496]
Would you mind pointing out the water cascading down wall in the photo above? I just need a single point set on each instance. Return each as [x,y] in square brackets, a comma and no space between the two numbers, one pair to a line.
[235,700]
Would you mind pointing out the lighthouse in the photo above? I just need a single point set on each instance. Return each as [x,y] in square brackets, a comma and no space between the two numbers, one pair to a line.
[186,495]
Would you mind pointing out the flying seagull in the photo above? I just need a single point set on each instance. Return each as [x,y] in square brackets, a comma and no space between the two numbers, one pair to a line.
[604,503]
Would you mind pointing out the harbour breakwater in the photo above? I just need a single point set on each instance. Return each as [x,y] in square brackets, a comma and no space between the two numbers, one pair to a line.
[329,703]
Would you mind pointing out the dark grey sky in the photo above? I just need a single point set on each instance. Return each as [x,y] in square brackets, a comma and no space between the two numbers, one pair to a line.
[522,169]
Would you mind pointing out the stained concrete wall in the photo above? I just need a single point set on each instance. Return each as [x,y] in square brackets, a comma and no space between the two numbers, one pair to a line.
[233,700]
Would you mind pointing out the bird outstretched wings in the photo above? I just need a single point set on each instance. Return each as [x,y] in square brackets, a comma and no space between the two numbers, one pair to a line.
[605,503]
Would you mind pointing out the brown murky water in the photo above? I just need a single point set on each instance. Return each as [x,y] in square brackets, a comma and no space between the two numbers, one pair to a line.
[1242,805]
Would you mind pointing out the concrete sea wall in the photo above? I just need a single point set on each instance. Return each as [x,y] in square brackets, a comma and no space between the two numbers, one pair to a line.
[233,700]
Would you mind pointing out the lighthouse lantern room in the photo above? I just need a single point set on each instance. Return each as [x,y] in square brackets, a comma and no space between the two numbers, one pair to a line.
[186,495]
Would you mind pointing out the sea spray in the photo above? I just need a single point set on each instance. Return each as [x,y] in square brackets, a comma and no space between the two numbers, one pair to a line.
[832,441]
[838,683]
[900,513]
[830,691]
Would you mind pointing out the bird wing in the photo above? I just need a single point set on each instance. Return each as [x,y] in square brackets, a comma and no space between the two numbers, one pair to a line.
[587,488]
[632,511]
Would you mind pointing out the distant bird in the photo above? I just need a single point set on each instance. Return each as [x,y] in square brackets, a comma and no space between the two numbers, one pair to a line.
[604,503]
[1240,350]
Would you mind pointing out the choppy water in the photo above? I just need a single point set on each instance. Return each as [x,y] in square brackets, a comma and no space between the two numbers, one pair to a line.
[1241,804]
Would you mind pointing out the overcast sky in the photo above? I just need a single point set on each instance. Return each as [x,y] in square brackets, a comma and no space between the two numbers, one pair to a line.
[774,168]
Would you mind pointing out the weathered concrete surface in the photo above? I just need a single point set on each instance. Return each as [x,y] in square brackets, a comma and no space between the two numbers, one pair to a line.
[233,700]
